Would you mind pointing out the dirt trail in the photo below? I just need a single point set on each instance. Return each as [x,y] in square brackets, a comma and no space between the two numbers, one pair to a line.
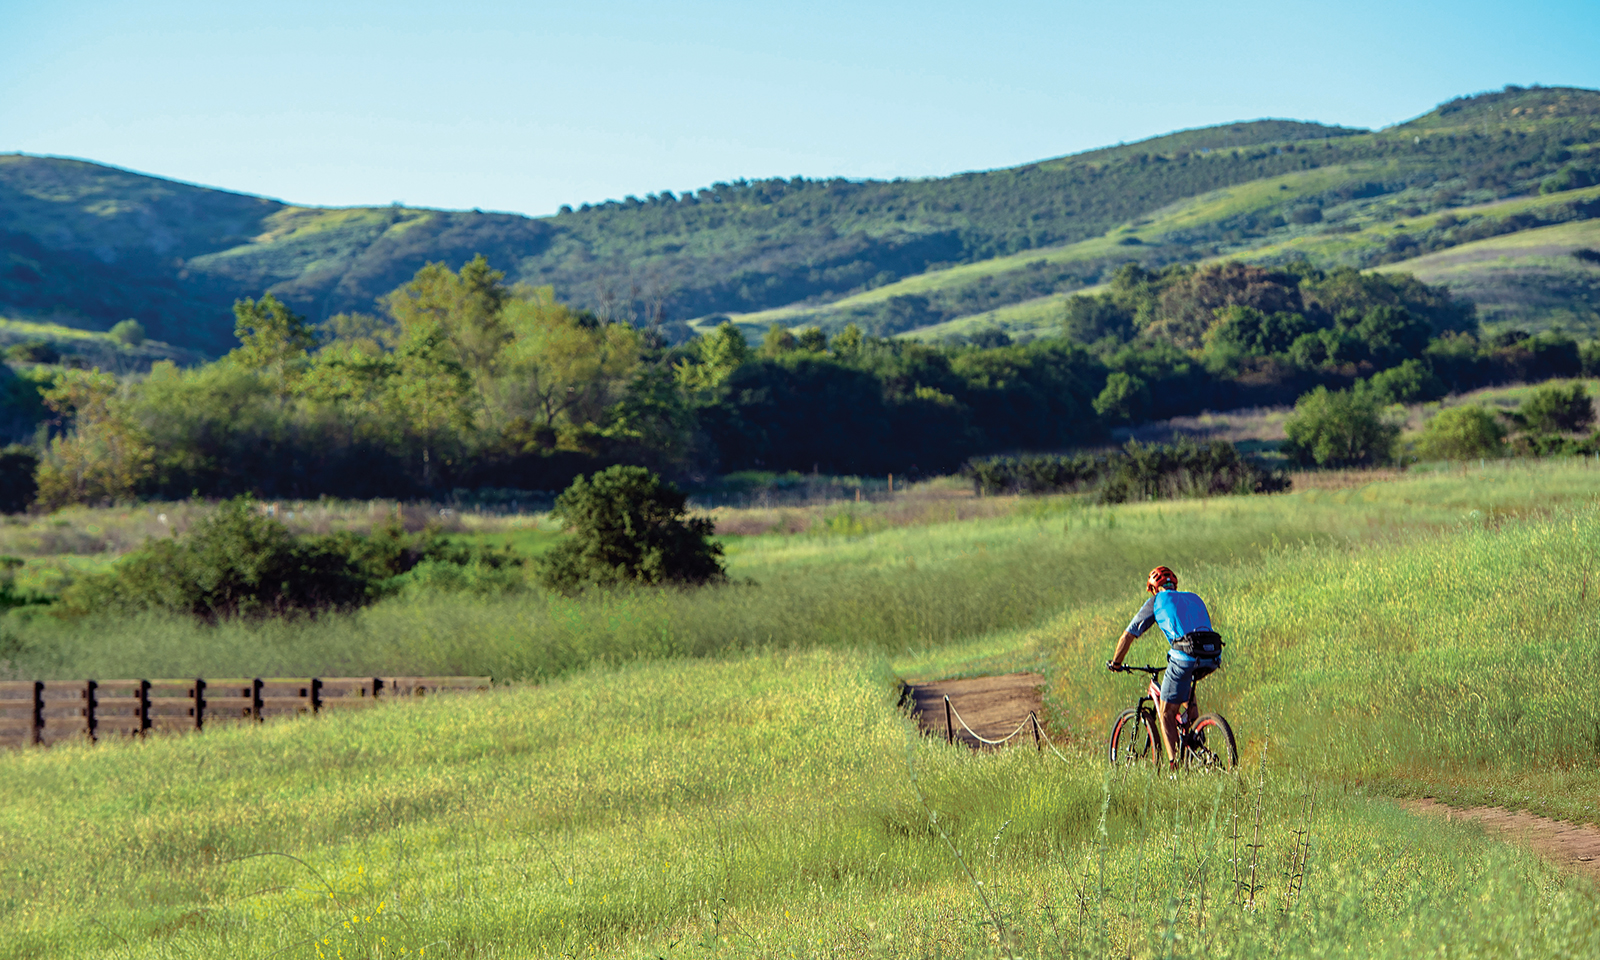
[1573,846]
[992,706]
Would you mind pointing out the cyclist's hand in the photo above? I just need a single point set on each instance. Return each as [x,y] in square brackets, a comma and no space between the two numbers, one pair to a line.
[1114,667]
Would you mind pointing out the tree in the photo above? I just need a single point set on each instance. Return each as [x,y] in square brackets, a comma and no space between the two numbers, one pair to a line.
[1410,382]
[464,308]
[129,333]
[1338,429]
[626,525]
[811,339]
[562,371]
[847,342]
[721,352]
[1254,332]
[272,339]
[777,342]
[1555,408]
[1089,320]
[1125,399]
[431,390]
[1461,433]
[105,455]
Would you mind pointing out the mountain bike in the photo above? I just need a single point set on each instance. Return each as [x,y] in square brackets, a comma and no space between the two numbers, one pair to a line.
[1207,743]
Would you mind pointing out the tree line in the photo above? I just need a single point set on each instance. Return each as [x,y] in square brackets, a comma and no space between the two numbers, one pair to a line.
[466,382]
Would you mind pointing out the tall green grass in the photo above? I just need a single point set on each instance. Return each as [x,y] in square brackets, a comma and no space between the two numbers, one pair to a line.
[763,805]
[1458,659]
[768,799]
[902,590]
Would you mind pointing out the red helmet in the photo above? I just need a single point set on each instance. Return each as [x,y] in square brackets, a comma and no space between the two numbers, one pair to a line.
[1160,578]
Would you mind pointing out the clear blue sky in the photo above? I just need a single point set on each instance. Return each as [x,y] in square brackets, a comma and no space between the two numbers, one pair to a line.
[525,106]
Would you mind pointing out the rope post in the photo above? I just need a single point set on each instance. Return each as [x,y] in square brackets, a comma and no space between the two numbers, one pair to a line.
[949,725]
[1037,743]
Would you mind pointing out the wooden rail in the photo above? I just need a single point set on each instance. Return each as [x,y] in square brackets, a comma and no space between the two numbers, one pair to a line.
[50,711]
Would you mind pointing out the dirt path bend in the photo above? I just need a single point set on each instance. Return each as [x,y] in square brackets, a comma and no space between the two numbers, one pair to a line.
[1573,846]
[991,706]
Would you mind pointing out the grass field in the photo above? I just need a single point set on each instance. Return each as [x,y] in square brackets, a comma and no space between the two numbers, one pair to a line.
[1527,276]
[1529,280]
[750,789]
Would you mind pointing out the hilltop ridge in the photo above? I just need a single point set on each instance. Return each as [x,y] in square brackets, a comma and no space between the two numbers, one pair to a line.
[88,245]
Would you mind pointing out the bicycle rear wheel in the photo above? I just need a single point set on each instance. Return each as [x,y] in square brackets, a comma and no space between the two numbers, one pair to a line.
[1133,738]
[1210,744]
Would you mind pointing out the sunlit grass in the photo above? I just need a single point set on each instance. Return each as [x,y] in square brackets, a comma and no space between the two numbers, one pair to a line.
[744,794]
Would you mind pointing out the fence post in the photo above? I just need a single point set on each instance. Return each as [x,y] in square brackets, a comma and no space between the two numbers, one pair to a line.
[255,699]
[199,704]
[90,702]
[1037,743]
[949,724]
[38,712]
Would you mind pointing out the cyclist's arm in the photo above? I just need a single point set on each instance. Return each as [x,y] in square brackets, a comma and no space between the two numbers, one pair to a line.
[1123,643]
[1140,623]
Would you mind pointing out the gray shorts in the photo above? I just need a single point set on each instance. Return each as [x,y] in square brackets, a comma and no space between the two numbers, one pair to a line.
[1177,686]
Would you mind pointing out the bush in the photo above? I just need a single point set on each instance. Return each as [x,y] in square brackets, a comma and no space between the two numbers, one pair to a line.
[1410,382]
[1555,408]
[1184,469]
[1461,433]
[129,333]
[1338,429]
[627,525]
[1136,472]
[240,563]
[1125,399]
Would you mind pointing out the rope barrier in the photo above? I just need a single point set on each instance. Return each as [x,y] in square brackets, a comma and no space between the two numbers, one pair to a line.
[1040,738]
[951,709]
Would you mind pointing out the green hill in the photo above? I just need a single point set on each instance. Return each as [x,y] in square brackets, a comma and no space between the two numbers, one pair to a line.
[88,245]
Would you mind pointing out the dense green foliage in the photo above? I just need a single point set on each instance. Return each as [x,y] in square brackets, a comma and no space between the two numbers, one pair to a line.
[626,526]
[467,383]
[240,562]
[1137,472]
[1339,428]
[1461,433]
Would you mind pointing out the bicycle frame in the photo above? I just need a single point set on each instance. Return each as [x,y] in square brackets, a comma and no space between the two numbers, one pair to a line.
[1152,695]
[1191,743]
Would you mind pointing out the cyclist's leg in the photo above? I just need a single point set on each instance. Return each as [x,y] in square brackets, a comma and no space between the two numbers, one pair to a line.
[1169,729]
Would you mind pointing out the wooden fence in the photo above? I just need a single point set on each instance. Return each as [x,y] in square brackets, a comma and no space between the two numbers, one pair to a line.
[50,711]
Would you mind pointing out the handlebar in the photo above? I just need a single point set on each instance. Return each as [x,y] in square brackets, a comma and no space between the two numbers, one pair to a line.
[1126,668]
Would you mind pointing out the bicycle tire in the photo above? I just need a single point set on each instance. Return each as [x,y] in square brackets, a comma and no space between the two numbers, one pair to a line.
[1210,744]
[1133,739]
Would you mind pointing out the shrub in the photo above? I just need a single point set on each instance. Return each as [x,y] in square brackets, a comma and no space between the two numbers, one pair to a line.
[1461,433]
[1184,469]
[627,525]
[1410,382]
[240,563]
[1136,472]
[1338,429]
[129,333]
[1126,398]
[1555,408]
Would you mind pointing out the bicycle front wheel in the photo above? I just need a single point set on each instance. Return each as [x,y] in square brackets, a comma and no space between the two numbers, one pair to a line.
[1133,738]
[1210,744]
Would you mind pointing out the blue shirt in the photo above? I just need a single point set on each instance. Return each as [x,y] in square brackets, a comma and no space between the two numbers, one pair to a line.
[1178,614]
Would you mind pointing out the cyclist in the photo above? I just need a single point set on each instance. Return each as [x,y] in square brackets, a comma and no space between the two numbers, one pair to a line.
[1194,649]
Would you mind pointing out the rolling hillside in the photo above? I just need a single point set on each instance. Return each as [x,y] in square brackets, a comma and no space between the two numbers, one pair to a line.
[87,245]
